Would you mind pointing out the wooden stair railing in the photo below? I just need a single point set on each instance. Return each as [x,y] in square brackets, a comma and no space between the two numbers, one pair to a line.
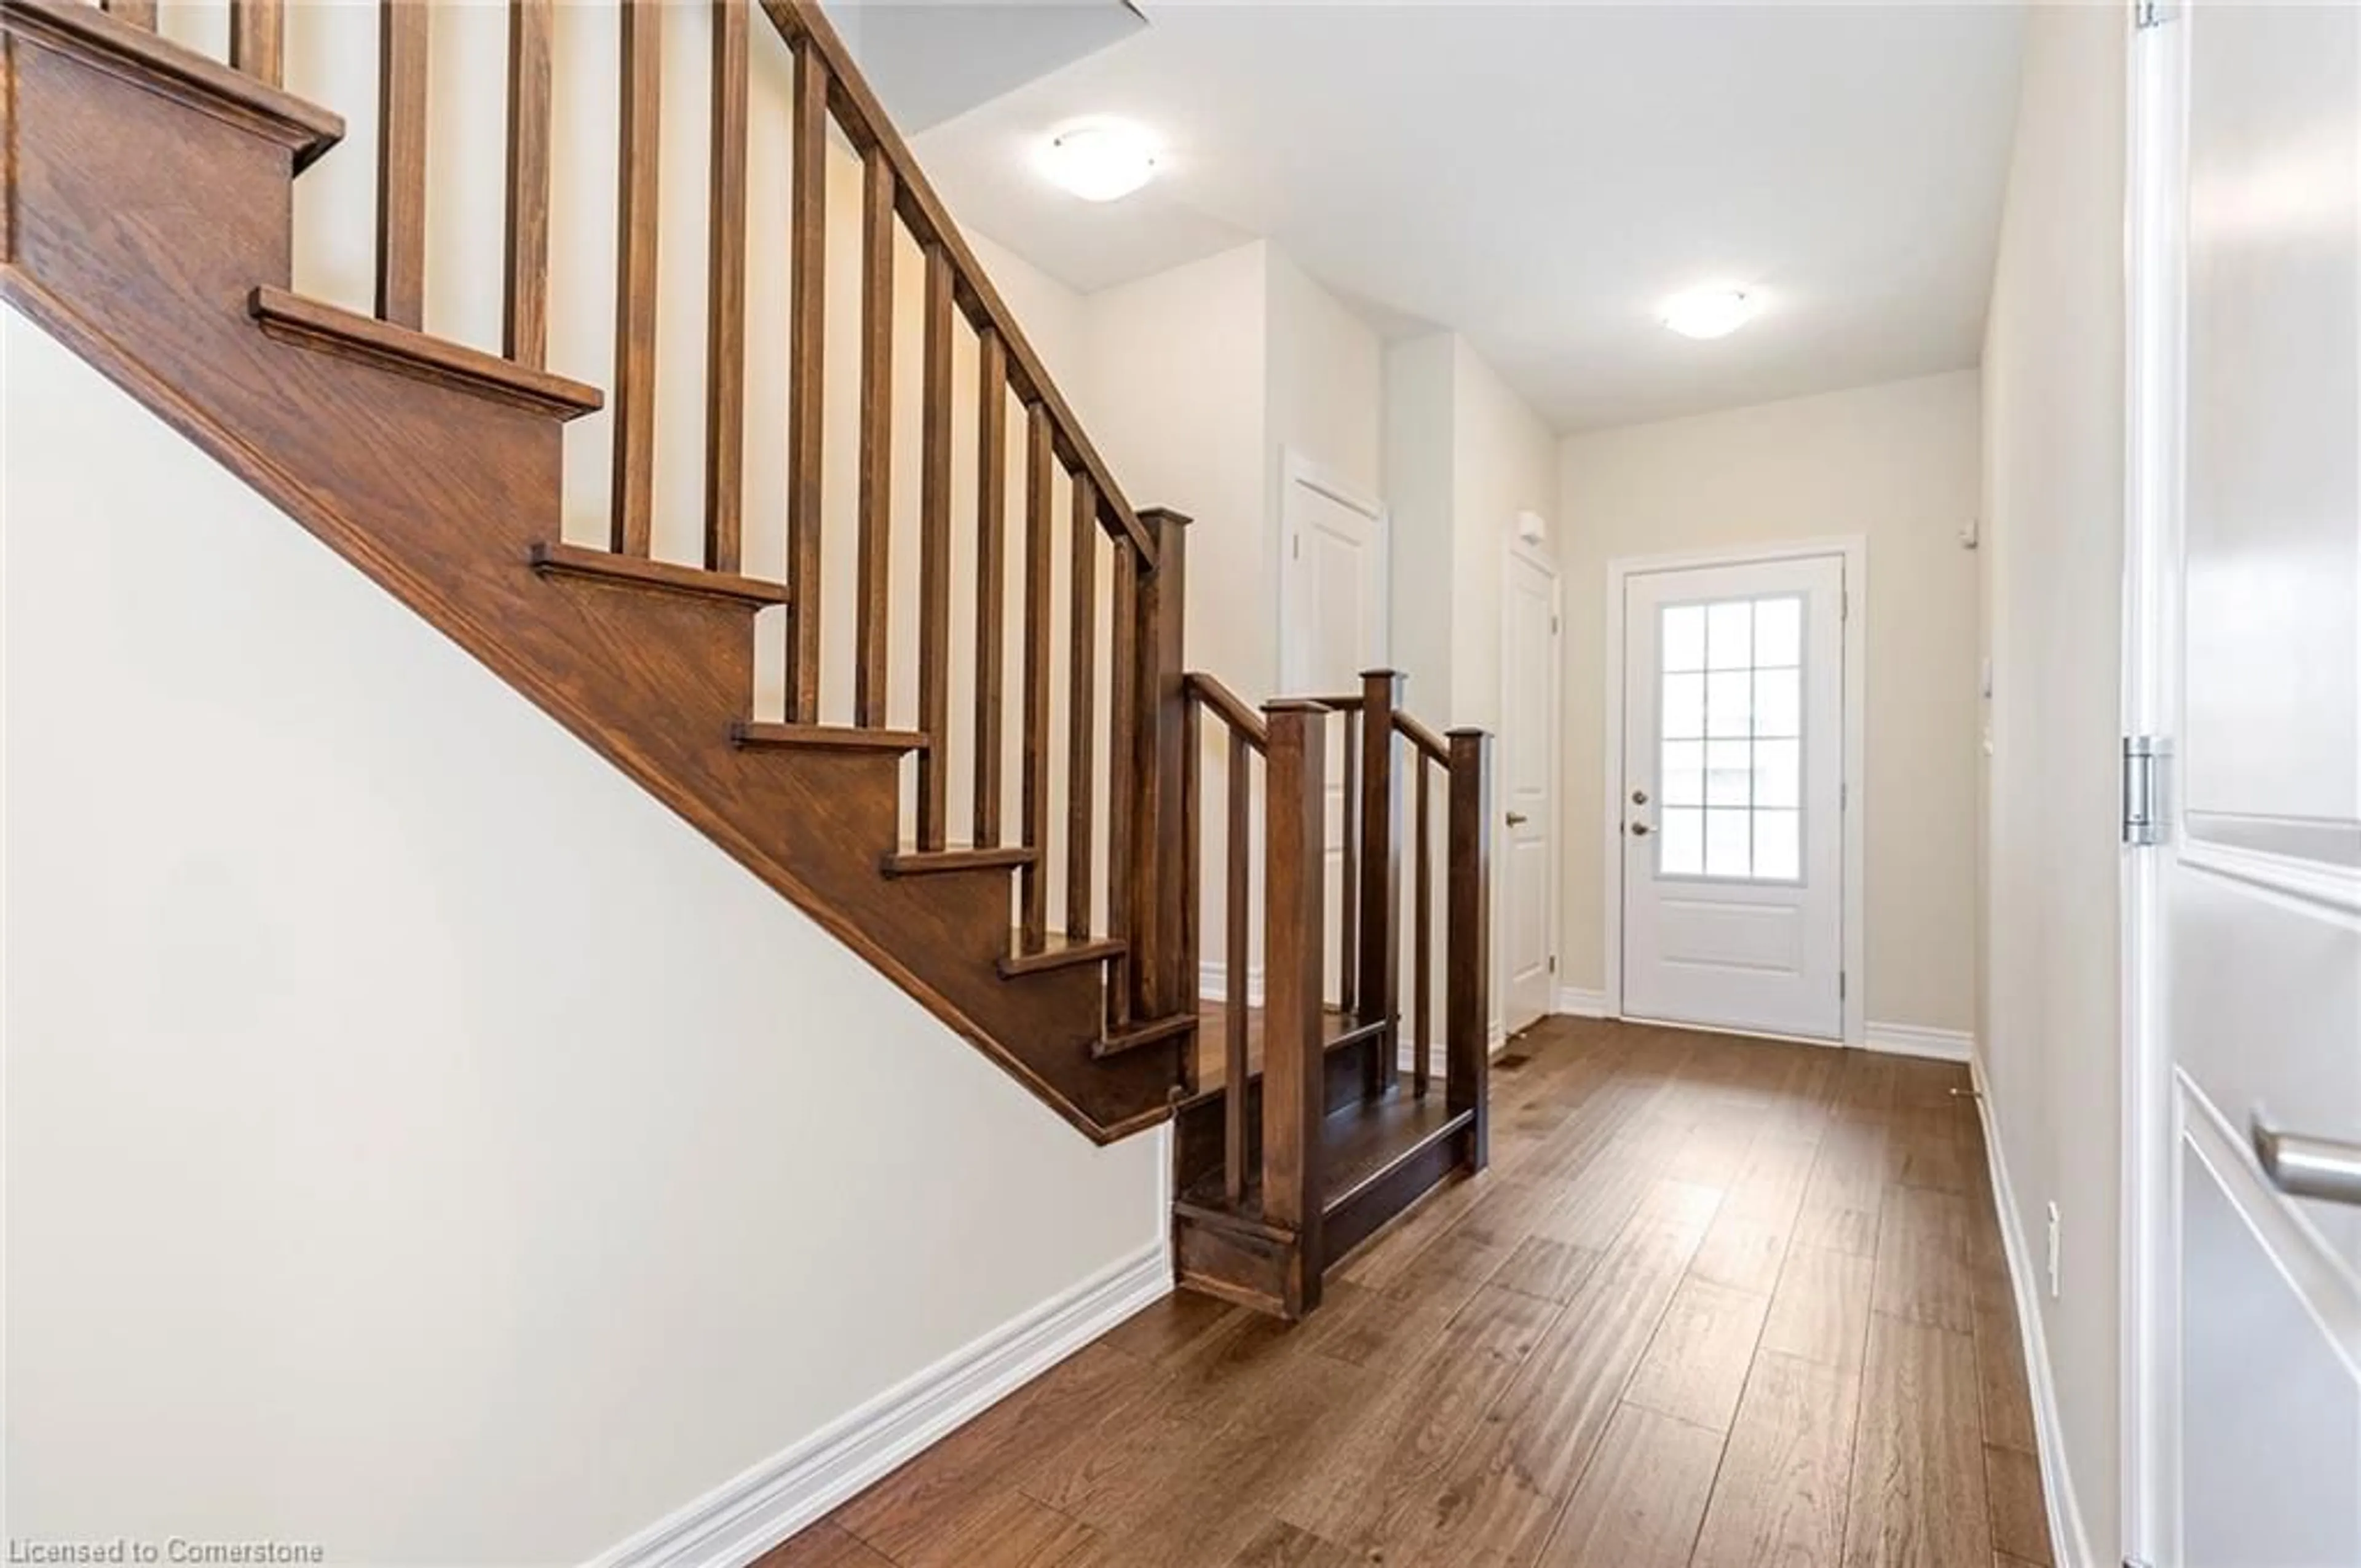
[146,220]
[1301,1139]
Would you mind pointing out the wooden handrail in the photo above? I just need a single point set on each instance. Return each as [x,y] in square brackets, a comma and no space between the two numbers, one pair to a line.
[865,120]
[1420,736]
[1209,693]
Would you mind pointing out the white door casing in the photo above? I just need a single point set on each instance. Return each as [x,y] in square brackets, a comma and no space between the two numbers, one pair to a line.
[2243,969]
[1529,762]
[1733,853]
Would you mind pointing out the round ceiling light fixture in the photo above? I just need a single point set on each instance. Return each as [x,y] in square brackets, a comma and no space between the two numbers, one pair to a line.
[1101,161]
[1709,313]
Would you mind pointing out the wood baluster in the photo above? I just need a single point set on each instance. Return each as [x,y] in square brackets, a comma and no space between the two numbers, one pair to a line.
[1163,879]
[990,574]
[1380,878]
[402,43]
[1468,997]
[1235,1065]
[258,39]
[1348,876]
[871,612]
[139,12]
[636,217]
[1185,890]
[935,555]
[1033,880]
[524,327]
[1081,716]
[1123,764]
[725,294]
[1293,1064]
[1422,928]
[806,350]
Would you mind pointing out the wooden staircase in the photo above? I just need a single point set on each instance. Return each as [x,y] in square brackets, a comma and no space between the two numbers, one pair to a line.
[148,224]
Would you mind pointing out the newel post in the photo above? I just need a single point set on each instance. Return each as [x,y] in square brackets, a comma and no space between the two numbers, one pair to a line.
[1468,923]
[1381,879]
[1293,958]
[1162,879]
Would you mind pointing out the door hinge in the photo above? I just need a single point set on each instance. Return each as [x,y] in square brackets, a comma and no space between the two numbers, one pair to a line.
[2144,757]
[1553,626]
[1844,794]
[2148,14]
[1840,985]
[1297,541]
[1553,963]
[1844,604]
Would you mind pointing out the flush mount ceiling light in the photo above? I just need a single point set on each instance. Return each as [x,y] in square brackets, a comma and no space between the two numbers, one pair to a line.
[1709,313]
[1101,161]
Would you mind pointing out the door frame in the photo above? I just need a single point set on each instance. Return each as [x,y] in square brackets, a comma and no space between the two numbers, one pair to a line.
[1298,472]
[1515,549]
[1853,548]
[2154,197]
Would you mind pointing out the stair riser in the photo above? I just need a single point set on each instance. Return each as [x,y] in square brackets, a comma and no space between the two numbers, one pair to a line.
[141,227]
[1197,1132]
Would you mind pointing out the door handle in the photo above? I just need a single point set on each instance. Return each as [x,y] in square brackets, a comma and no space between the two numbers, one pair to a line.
[2308,1168]
[1517,820]
[1639,829]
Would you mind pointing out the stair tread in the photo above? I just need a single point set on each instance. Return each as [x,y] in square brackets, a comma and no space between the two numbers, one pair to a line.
[1337,1030]
[639,571]
[1358,1143]
[828,737]
[306,128]
[1154,1031]
[332,329]
[1059,951]
[932,862]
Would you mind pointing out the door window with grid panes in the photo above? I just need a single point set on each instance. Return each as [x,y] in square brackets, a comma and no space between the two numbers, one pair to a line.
[1731,763]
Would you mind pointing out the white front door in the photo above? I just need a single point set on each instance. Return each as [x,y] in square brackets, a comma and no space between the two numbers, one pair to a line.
[1730,806]
[2253,901]
[1527,790]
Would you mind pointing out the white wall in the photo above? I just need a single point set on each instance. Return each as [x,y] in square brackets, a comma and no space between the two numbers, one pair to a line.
[418,1140]
[2054,400]
[1327,379]
[1897,463]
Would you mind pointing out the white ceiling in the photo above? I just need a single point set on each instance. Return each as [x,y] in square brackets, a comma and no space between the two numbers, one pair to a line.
[1538,178]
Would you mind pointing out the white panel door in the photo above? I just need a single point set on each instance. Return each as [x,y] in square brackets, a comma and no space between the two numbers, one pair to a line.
[1528,864]
[1333,623]
[2254,899]
[1731,802]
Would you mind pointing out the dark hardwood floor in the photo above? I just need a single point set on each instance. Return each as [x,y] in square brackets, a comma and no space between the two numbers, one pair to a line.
[1718,1303]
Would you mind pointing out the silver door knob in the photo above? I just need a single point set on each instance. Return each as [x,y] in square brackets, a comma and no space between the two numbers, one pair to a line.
[1639,829]
[1639,798]
[1517,820]
[2308,1168]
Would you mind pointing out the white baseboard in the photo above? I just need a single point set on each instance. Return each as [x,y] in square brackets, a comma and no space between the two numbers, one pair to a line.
[2069,1541]
[1910,1040]
[1577,1003]
[1213,983]
[742,1518]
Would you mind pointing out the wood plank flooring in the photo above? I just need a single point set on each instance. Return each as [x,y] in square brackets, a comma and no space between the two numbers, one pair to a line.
[1718,1303]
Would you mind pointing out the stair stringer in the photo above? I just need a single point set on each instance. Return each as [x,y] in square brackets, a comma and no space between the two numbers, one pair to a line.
[148,193]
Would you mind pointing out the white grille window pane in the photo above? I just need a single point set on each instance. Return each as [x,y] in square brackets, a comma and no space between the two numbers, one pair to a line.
[1778,632]
[1684,716]
[1778,773]
[1683,637]
[1730,635]
[1778,703]
[1680,841]
[1728,770]
[1726,837]
[1729,703]
[1684,772]
[1778,851]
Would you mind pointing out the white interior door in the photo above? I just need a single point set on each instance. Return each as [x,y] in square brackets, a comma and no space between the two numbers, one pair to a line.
[2253,900]
[1732,797]
[1332,625]
[1527,863]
